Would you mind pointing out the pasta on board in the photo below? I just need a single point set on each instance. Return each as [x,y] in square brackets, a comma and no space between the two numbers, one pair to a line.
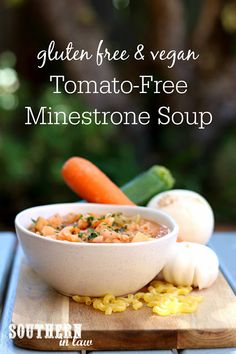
[164,299]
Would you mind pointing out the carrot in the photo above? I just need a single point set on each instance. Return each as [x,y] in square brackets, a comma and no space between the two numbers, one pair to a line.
[91,184]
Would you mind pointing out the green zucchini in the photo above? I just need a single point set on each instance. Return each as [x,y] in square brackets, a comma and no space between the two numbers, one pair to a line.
[151,182]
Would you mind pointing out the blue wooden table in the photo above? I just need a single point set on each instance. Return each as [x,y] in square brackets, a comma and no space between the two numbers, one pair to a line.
[10,256]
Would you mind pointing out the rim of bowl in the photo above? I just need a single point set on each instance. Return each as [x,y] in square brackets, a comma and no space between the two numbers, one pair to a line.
[102,244]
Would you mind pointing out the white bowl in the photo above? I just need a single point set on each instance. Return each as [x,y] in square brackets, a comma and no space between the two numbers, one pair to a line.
[95,269]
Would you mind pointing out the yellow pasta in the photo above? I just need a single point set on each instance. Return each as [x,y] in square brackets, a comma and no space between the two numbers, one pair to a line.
[108,298]
[82,299]
[139,295]
[137,304]
[165,299]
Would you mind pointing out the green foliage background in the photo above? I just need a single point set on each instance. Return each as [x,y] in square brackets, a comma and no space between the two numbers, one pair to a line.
[31,156]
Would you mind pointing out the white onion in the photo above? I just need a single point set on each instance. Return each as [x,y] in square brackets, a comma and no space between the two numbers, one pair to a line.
[190,210]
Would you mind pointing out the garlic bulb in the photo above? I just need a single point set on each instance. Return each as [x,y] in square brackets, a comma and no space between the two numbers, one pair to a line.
[190,210]
[191,264]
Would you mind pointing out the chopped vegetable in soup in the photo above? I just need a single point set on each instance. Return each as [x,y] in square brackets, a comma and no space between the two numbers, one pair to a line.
[93,228]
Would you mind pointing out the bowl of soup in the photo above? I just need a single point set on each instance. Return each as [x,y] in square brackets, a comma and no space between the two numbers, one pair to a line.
[95,249]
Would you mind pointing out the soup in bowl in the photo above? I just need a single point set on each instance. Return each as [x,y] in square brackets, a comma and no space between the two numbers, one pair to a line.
[94,249]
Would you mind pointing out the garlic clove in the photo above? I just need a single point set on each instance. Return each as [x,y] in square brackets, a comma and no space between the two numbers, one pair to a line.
[191,264]
[207,270]
[175,272]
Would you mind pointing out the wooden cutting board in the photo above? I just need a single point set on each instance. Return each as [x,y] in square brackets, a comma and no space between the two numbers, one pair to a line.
[213,325]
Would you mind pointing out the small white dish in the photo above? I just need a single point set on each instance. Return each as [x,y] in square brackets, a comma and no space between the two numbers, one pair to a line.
[95,269]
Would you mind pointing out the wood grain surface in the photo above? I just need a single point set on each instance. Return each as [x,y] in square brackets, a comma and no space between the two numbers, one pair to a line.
[213,325]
